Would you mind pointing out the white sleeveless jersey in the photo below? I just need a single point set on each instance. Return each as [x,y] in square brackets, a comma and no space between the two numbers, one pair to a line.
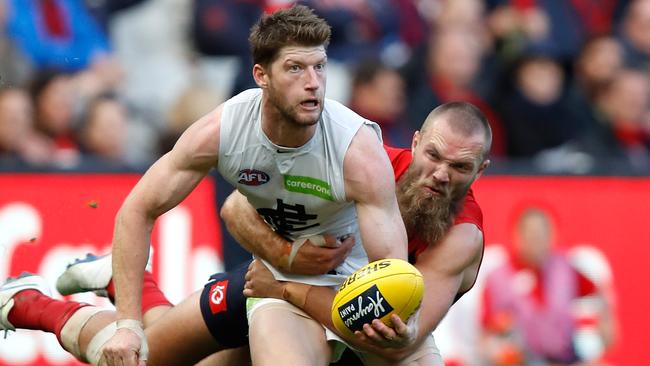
[300,191]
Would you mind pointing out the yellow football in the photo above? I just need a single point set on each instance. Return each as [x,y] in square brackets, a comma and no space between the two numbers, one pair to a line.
[375,291]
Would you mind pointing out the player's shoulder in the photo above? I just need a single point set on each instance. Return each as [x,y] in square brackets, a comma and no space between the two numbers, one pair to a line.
[335,108]
[395,152]
[364,135]
[366,148]
[202,137]
[210,122]
[246,96]
[337,114]
[464,242]
[366,164]
[400,159]
[471,213]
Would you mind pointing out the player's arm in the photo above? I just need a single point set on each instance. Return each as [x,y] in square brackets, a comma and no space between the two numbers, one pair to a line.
[443,266]
[317,302]
[252,233]
[167,182]
[370,183]
[314,300]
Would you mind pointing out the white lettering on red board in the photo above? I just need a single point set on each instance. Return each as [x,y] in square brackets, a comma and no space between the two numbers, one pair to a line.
[181,269]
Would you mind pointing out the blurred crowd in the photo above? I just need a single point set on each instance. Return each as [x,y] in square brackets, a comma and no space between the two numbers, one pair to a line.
[544,304]
[565,84]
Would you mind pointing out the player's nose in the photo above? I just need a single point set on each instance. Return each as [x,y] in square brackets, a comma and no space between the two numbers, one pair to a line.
[312,80]
[441,174]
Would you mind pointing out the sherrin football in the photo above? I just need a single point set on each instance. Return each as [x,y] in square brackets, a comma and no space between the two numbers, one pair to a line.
[375,291]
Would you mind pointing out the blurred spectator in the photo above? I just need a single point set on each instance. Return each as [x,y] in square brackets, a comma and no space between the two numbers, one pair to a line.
[15,70]
[599,61]
[413,27]
[466,14]
[530,315]
[104,76]
[366,28]
[193,103]
[635,34]
[619,141]
[104,10]
[15,119]
[535,112]
[220,28]
[452,72]
[102,133]
[154,46]
[18,142]
[596,65]
[556,28]
[450,48]
[56,34]
[378,94]
[53,97]
[625,129]
[598,17]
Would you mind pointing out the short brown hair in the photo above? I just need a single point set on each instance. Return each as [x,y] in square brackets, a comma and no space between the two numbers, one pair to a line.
[297,25]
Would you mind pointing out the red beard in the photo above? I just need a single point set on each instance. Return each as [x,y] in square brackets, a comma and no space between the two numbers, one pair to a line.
[425,215]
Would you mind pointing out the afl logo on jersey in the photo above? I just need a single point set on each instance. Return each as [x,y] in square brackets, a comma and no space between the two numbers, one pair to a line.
[252,177]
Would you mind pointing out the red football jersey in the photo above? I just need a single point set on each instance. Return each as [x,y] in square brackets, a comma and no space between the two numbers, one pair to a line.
[470,213]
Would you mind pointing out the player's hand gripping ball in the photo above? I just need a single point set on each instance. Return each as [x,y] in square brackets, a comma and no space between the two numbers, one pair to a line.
[375,291]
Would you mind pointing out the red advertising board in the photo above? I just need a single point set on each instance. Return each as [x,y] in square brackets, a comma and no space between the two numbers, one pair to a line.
[46,220]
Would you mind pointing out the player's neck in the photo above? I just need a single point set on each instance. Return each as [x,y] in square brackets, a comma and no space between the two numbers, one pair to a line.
[283,132]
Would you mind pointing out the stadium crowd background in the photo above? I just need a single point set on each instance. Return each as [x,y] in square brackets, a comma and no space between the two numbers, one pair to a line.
[108,85]
[565,83]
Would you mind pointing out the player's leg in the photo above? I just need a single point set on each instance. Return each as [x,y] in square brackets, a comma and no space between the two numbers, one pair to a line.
[25,303]
[83,330]
[178,338]
[181,336]
[281,334]
[425,355]
[222,306]
[233,356]
[210,320]
[94,273]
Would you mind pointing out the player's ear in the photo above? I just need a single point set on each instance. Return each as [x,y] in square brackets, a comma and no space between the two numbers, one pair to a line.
[416,139]
[482,167]
[260,76]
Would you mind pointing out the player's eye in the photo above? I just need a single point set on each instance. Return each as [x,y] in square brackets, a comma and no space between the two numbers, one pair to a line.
[464,168]
[434,156]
